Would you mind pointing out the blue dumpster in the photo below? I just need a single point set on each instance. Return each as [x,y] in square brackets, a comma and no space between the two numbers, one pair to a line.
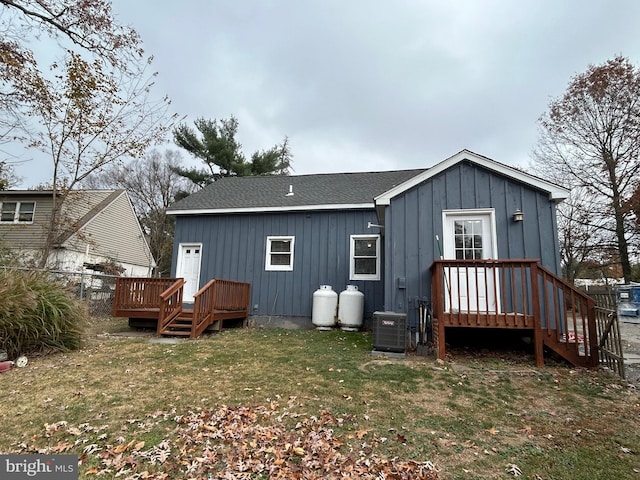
[628,297]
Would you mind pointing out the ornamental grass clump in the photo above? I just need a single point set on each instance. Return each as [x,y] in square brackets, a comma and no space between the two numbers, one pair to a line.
[37,314]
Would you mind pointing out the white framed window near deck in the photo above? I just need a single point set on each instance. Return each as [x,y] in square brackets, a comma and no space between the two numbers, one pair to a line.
[365,257]
[17,212]
[280,253]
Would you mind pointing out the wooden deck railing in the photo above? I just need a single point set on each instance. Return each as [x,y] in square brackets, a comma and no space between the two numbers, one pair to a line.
[217,300]
[170,304]
[483,293]
[134,293]
[516,293]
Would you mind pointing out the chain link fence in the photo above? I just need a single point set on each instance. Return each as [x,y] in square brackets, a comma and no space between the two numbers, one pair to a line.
[95,290]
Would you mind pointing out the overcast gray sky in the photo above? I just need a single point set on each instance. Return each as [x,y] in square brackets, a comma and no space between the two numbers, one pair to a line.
[364,85]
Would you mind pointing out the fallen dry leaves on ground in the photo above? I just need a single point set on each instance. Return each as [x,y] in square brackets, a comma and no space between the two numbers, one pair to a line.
[231,442]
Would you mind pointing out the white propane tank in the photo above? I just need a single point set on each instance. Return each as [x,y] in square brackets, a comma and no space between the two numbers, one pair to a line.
[351,308]
[325,302]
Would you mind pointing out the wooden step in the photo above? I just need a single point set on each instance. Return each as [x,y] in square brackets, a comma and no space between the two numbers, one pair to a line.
[568,351]
[176,330]
[181,321]
[180,326]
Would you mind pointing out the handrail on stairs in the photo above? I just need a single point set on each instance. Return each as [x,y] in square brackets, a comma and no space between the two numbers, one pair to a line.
[170,304]
[202,308]
[218,294]
[568,319]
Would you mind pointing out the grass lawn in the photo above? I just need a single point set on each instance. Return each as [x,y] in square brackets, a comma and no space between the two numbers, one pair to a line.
[252,403]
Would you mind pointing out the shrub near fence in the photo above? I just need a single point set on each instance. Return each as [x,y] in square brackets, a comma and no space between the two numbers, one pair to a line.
[95,290]
[37,314]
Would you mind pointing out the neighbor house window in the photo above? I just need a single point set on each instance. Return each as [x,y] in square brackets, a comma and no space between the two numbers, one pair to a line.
[279,253]
[17,212]
[365,257]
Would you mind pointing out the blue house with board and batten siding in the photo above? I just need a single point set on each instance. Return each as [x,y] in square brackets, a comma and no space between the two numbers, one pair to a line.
[473,238]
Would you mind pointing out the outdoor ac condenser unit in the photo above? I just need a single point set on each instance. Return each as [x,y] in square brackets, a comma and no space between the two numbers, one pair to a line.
[389,332]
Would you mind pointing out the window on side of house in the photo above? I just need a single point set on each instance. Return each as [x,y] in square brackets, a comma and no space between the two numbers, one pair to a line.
[17,212]
[365,257]
[279,253]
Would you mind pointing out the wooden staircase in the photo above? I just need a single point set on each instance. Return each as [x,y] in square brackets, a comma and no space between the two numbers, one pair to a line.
[567,321]
[217,301]
[569,350]
[181,325]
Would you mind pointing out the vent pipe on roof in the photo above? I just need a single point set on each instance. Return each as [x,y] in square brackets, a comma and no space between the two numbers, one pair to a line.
[290,194]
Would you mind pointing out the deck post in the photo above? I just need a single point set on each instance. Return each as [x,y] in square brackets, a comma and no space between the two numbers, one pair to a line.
[116,298]
[437,310]
[538,341]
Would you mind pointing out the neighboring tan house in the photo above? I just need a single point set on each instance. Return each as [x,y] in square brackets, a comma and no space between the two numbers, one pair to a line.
[101,227]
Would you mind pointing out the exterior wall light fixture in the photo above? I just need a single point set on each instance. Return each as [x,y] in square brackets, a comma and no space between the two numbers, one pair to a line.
[518,216]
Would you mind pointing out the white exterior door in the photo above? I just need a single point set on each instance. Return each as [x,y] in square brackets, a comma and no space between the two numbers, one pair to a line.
[188,267]
[470,235]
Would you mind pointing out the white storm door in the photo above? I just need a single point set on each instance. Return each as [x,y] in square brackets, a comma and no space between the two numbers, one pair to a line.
[188,267]
[470,235]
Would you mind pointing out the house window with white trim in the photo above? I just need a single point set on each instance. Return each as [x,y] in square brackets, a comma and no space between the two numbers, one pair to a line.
[17,212]
[279,253]
[365,257]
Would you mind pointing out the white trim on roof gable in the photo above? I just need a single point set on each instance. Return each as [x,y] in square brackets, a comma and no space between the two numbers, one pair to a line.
[296,208]
[556,192]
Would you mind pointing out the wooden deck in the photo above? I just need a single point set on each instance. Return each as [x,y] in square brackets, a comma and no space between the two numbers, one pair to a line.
[160,300]
[514,294]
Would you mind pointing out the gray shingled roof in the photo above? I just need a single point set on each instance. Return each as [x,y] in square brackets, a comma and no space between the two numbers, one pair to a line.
[308,191]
